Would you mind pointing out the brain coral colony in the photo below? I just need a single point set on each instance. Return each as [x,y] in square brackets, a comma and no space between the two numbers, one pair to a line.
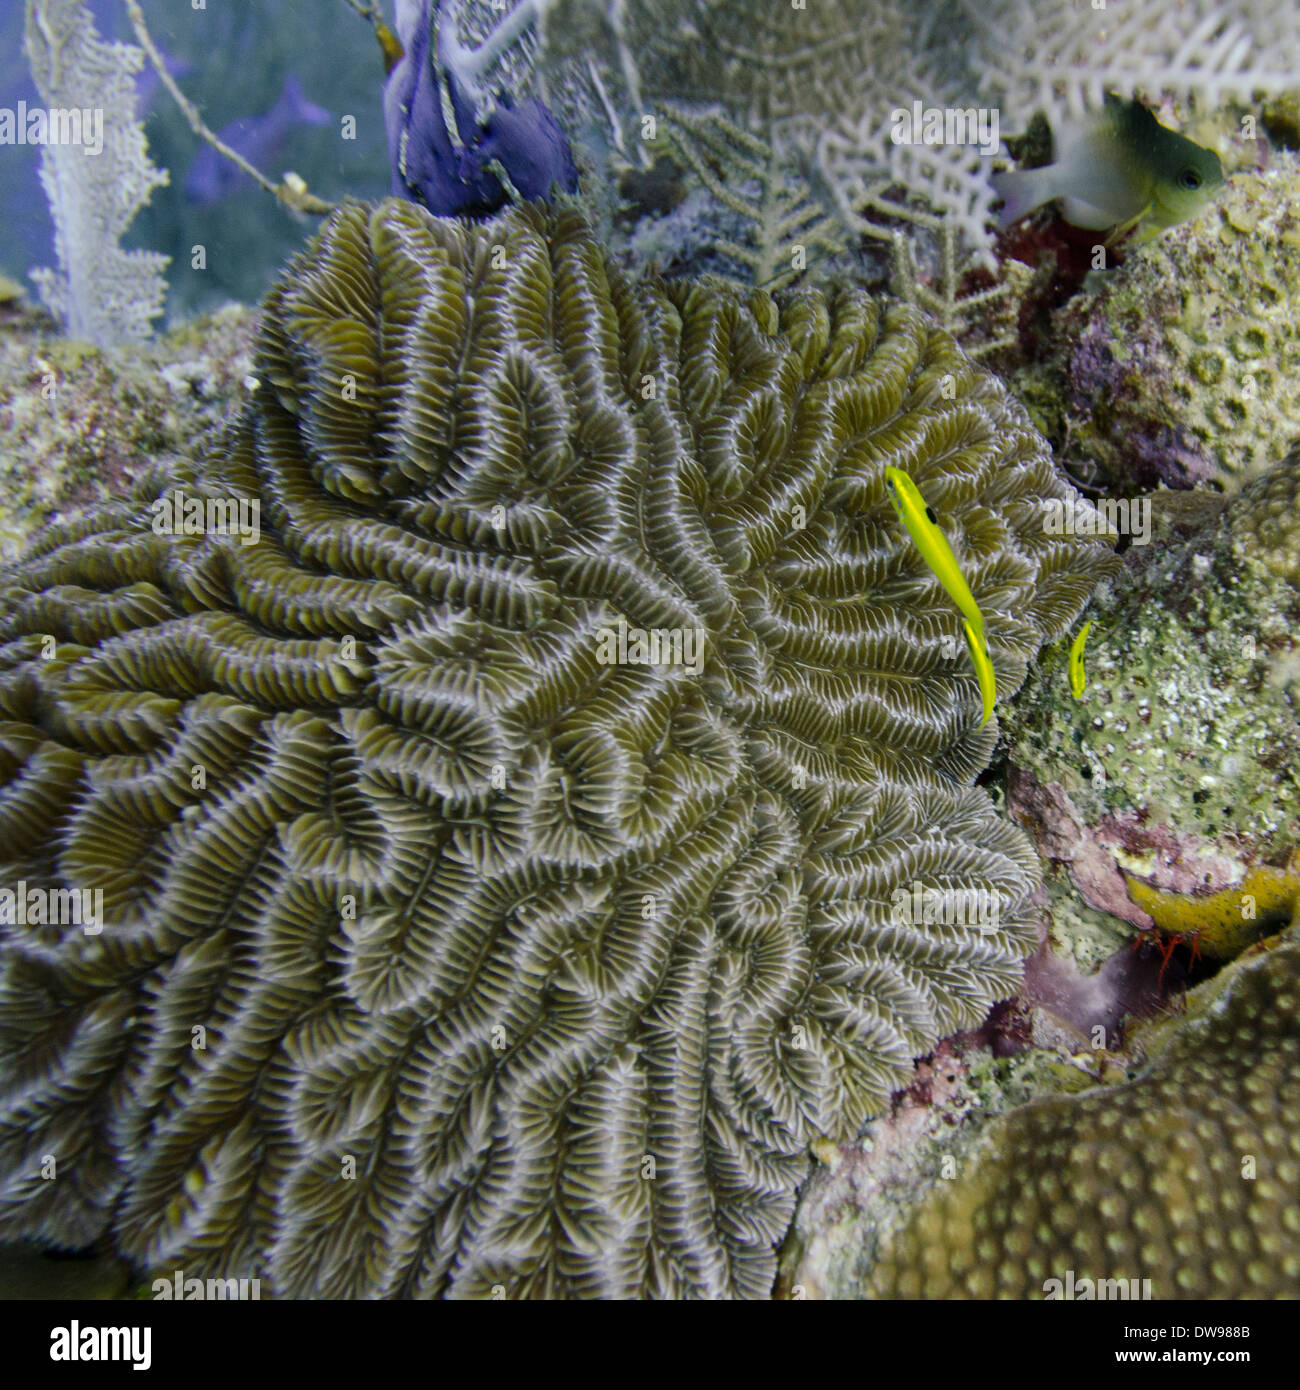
[514,758]
[460,900]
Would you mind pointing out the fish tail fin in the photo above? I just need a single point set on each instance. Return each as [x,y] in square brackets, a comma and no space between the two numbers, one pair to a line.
[299,107]
[978,647]
[1021,191]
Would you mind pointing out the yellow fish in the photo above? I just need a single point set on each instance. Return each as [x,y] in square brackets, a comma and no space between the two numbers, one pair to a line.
[980,659]
[923,526]
[1077,679]
[1117,169]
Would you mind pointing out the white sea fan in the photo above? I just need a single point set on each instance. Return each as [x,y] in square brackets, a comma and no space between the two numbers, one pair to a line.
[1063,56]
[101,292]
[870,175]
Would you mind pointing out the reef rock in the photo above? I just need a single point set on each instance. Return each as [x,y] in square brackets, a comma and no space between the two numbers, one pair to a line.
[1184,367]
[1177,1183]
[1181,763]
[79,424]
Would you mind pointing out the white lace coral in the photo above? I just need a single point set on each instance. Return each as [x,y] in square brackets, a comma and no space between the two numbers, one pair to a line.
[1063,58]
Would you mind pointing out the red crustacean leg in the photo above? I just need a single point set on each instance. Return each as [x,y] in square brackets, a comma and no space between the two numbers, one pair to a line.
[1196,946]
[1171,943]
[1166,949]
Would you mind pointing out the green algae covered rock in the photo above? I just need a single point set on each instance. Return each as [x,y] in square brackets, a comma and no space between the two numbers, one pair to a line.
[1189,713]
[498,798]
[79,424]
[1179,1182]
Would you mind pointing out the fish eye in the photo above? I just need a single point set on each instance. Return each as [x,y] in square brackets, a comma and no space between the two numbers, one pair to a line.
[930,516]
[1190,179]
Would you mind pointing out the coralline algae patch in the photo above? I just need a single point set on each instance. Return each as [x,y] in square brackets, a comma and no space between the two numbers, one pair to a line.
[1181,1178]
[1187,720]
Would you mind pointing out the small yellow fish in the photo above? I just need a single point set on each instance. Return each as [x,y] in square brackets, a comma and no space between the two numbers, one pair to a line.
[982,661]
[1119,169]
[923,526]
[1077,679]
